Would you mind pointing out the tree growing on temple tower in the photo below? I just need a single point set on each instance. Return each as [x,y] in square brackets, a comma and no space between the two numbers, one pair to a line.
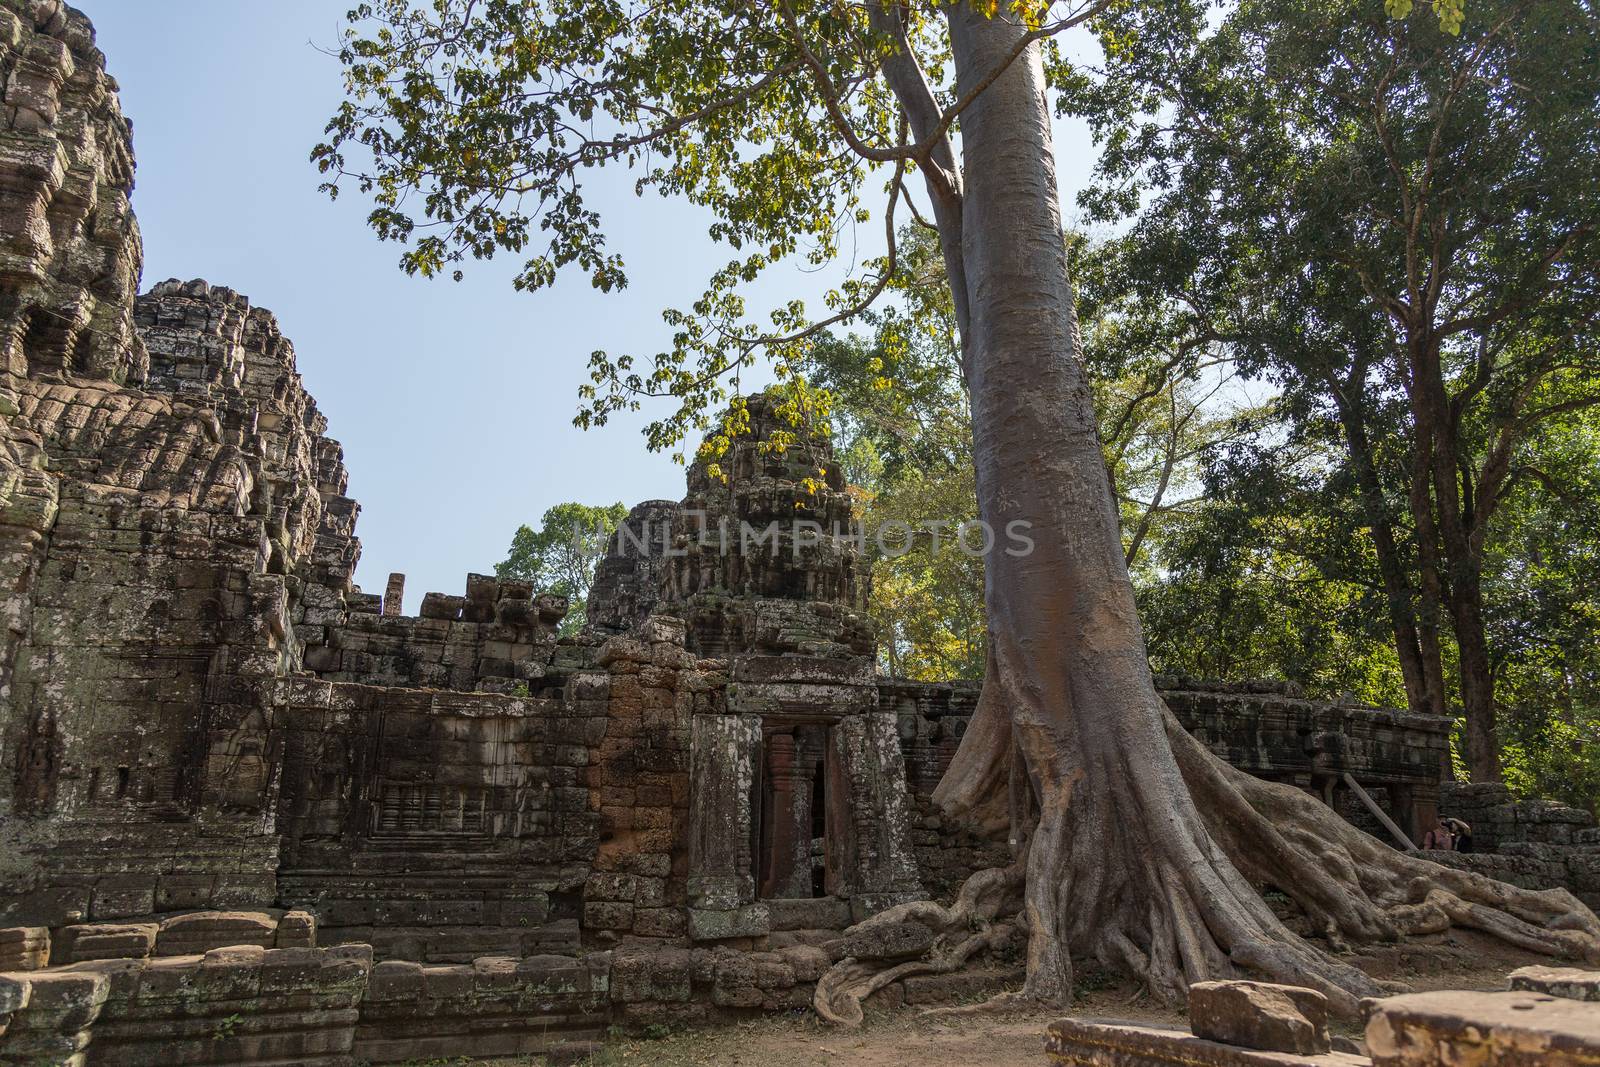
[473,125]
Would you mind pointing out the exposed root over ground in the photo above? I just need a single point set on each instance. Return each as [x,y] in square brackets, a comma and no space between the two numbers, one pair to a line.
[1173,896]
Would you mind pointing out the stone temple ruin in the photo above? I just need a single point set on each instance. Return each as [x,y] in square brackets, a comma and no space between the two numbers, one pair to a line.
[217,753]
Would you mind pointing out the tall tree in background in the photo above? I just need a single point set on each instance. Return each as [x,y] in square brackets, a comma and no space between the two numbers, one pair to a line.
[1402,227]
[560,556]
[780,118]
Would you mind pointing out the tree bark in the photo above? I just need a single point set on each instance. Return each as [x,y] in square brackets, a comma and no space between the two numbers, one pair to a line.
[1140,848]
[1442,521]
[1424,695]
[1120,864]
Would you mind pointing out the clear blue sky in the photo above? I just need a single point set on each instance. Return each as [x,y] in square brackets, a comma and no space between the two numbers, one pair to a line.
[454,402]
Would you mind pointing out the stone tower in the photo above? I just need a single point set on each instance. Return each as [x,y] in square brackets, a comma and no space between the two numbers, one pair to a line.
[762,560]
[798,813]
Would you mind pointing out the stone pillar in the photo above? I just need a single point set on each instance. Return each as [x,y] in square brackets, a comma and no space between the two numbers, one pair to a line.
[394,594]
[722,760]
[788,862]
[869,819]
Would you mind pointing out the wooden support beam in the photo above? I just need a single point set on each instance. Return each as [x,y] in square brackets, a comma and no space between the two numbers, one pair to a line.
[1378,813]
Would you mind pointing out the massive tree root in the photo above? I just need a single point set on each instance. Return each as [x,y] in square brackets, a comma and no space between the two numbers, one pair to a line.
[965,929]
[1173,896]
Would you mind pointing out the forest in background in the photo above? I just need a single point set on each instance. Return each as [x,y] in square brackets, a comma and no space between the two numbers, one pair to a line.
[1338,302]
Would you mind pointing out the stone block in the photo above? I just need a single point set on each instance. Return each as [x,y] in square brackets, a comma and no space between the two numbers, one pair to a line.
[175,891]
[807,961]
[734,982]
[53,1024]
[1275,1018]
[605,915]
[104,941]
[961,985]
[573,1053]
[441,606]
[120,898]
[1568,982]
[659,922]
[750,921]
[661,628]
[1079,1043]
[1518,1029]
[297,929]
[821,913]
[609,887]
[198,932]
[396,980]
[651,976]
[24,948]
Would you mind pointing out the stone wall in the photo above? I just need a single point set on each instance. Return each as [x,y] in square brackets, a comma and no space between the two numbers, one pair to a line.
[158,616]
[1537,844]
[652,689]
[436,825]
[335,1007]
[240,1005]
[498,637]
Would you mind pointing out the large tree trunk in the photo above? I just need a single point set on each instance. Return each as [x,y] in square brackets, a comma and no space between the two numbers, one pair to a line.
[1424,695]
[1120,865]
[1441,520]
[1477,677]
[1137,847]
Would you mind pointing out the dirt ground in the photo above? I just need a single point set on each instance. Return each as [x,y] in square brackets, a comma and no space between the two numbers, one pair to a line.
[1459,960]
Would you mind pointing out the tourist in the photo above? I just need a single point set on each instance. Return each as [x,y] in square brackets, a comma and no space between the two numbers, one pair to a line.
[1462,832]
[1439,839]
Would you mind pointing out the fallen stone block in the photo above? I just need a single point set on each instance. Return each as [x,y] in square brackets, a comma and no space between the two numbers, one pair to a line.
[53,1025]
[14,994]
[1086,1044]
[1521,1029]
[1260,1015]
[961,985]
[808,961]
[1568,982]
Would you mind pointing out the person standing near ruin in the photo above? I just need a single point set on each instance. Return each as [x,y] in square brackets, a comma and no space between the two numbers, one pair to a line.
[1439,839]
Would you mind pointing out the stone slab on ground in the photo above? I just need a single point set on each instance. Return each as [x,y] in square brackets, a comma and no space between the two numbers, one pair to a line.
[1079,1043]
[1568,982]
[1260,1015]
[1518,1029]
